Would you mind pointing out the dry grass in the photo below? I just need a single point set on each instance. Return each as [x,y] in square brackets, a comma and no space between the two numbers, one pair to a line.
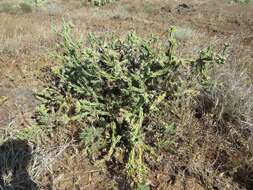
[224,122]
[24,34]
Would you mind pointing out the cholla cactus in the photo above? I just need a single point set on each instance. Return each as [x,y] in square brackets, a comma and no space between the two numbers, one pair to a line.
[117,89]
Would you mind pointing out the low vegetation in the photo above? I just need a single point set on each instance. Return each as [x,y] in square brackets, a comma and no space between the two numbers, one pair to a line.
[136,105]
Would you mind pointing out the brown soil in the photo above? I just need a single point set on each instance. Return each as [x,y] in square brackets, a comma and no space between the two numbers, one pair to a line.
[25,38]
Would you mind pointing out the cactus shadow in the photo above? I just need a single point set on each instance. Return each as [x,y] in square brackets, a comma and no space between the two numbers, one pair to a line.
[15,156]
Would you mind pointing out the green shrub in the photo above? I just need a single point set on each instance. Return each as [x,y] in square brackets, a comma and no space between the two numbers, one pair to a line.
[124,95]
